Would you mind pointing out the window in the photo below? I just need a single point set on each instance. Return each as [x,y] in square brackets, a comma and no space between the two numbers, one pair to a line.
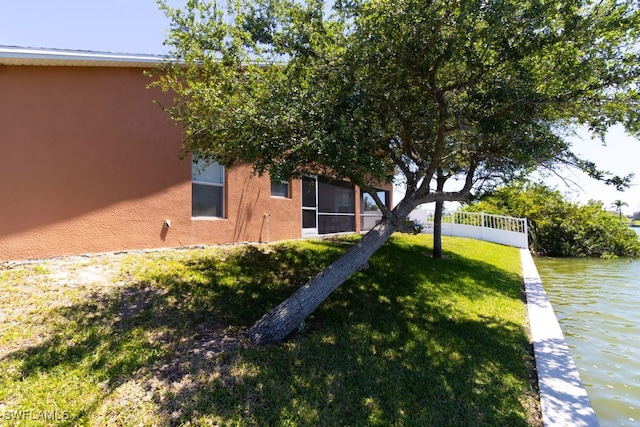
[336,206]
[207,189]
[328,206]
[280,189]
[370,214]
[309,205]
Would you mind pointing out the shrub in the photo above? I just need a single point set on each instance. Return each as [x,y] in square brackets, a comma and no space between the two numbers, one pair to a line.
[558,227]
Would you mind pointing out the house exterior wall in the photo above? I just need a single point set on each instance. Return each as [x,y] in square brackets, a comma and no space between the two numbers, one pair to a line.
[88,163]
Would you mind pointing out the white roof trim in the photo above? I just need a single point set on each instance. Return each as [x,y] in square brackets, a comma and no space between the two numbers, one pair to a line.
[13,55]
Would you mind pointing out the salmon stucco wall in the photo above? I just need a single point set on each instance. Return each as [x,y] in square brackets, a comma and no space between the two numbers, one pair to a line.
[88,163]
[251,214]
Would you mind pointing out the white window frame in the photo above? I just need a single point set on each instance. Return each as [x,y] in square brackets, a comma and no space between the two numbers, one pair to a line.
[211,184]
[310,231]
[336,212]
[288,195]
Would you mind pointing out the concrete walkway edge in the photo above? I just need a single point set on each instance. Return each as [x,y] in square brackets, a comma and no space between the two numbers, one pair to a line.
[563,398]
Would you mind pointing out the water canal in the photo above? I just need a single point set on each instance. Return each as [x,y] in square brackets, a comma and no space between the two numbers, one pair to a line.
[597,303]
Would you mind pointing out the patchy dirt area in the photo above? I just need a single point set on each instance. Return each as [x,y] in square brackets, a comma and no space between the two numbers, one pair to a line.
[73,271]
[29,289]
[45,304]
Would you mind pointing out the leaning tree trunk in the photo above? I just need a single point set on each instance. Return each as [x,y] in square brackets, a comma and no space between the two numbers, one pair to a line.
[276,325]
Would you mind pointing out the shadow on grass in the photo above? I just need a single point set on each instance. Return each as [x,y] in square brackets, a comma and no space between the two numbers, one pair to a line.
[382,350]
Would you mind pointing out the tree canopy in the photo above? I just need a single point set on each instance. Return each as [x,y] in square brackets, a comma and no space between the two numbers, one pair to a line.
[471,92]
[480,89]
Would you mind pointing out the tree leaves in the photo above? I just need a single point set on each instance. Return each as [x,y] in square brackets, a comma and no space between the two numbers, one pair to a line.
[558,227]
[482,90]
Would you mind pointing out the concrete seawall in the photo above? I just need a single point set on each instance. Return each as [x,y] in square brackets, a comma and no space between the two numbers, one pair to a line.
[563,398]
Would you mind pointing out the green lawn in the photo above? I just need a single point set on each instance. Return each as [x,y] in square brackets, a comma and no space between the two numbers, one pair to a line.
[157,339]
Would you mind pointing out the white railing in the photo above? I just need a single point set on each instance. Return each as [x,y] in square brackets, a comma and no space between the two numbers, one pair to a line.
[477,225]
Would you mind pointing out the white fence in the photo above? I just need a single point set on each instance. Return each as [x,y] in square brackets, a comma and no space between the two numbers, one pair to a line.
[476,225]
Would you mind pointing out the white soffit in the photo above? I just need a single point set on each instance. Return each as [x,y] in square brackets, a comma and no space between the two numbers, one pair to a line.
[12,55]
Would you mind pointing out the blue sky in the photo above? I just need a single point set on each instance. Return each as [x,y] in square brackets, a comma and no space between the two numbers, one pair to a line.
[620,155]
[138,26]
[123,26]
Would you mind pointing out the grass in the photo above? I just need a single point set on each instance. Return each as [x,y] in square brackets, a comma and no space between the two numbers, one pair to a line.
[157,339]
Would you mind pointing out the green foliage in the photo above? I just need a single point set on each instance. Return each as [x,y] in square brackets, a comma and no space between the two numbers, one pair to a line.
[469,92]
[558,227]
[482,91]
[411,341]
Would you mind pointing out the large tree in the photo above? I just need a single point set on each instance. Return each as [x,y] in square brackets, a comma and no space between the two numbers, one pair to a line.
[473,92]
